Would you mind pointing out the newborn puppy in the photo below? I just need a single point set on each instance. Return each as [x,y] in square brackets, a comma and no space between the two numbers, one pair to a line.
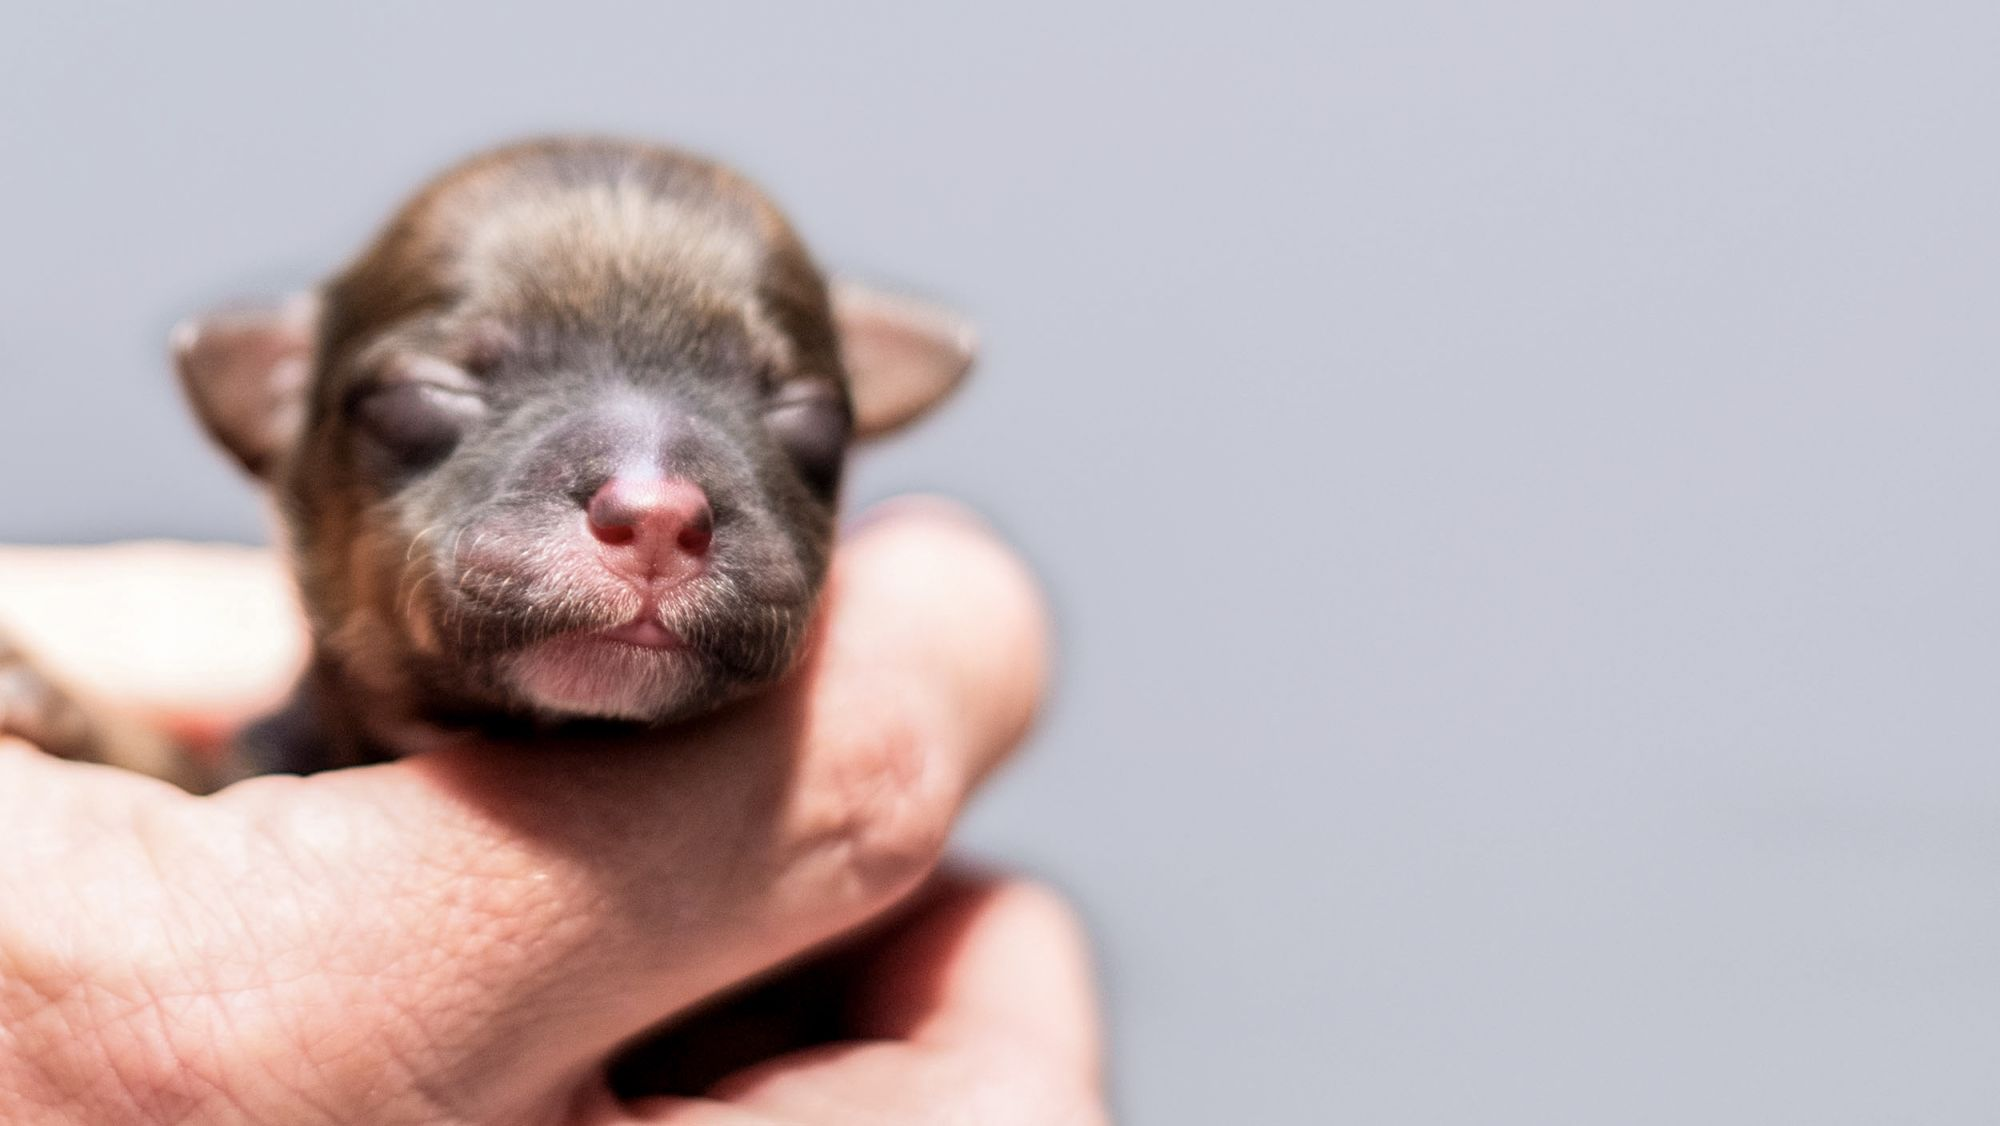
[564,443]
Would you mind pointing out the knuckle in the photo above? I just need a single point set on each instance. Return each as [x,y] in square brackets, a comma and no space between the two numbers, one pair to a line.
[881,806]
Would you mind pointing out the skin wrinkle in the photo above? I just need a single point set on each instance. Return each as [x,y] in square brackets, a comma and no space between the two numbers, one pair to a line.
[120,1057]
[194,1014]
[92,984]
[865,818]
[197,1083]
[43,1079]
[497,921]
[489,920]
[50,997]
[300,1018]
[190,1019]
[188,1013]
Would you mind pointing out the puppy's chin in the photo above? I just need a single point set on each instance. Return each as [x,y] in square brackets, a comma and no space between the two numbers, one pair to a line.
[595,676]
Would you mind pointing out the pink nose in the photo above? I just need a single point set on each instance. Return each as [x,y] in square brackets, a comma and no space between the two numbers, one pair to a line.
[653,528]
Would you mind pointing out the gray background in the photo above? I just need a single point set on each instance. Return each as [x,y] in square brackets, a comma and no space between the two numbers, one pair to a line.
[1518,481]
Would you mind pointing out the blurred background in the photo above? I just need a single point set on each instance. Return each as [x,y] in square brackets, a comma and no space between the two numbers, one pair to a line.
[1518,480]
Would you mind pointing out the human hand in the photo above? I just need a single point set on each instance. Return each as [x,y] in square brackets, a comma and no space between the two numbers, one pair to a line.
[468,935]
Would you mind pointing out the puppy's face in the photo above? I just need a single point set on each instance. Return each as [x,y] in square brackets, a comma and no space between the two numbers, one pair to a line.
[567,440]
[565,527]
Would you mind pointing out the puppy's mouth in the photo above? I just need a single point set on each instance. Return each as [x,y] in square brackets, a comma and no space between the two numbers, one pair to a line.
[644,632]
[573,642]
[641,670]
[653,667]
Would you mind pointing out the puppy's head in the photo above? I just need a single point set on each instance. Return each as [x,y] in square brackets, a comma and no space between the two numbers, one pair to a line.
[565,441]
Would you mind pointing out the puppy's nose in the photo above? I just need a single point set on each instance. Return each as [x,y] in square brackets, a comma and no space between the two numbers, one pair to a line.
[655,528]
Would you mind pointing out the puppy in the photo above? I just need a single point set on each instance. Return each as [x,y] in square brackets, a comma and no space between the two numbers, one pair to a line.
[564,443]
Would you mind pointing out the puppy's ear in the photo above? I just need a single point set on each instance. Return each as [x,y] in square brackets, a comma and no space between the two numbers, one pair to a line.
[245,370]
[903,356]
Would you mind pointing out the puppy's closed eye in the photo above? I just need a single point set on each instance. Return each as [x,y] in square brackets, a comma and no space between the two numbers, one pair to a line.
[813,427]
[417,414]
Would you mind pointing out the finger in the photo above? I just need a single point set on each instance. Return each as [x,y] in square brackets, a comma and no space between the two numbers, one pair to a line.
[987,962]
[979,999]
[569,897]
[48,805]
[198,638]
[964,961]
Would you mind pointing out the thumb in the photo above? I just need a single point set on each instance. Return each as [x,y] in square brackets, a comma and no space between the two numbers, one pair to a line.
[197,638]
